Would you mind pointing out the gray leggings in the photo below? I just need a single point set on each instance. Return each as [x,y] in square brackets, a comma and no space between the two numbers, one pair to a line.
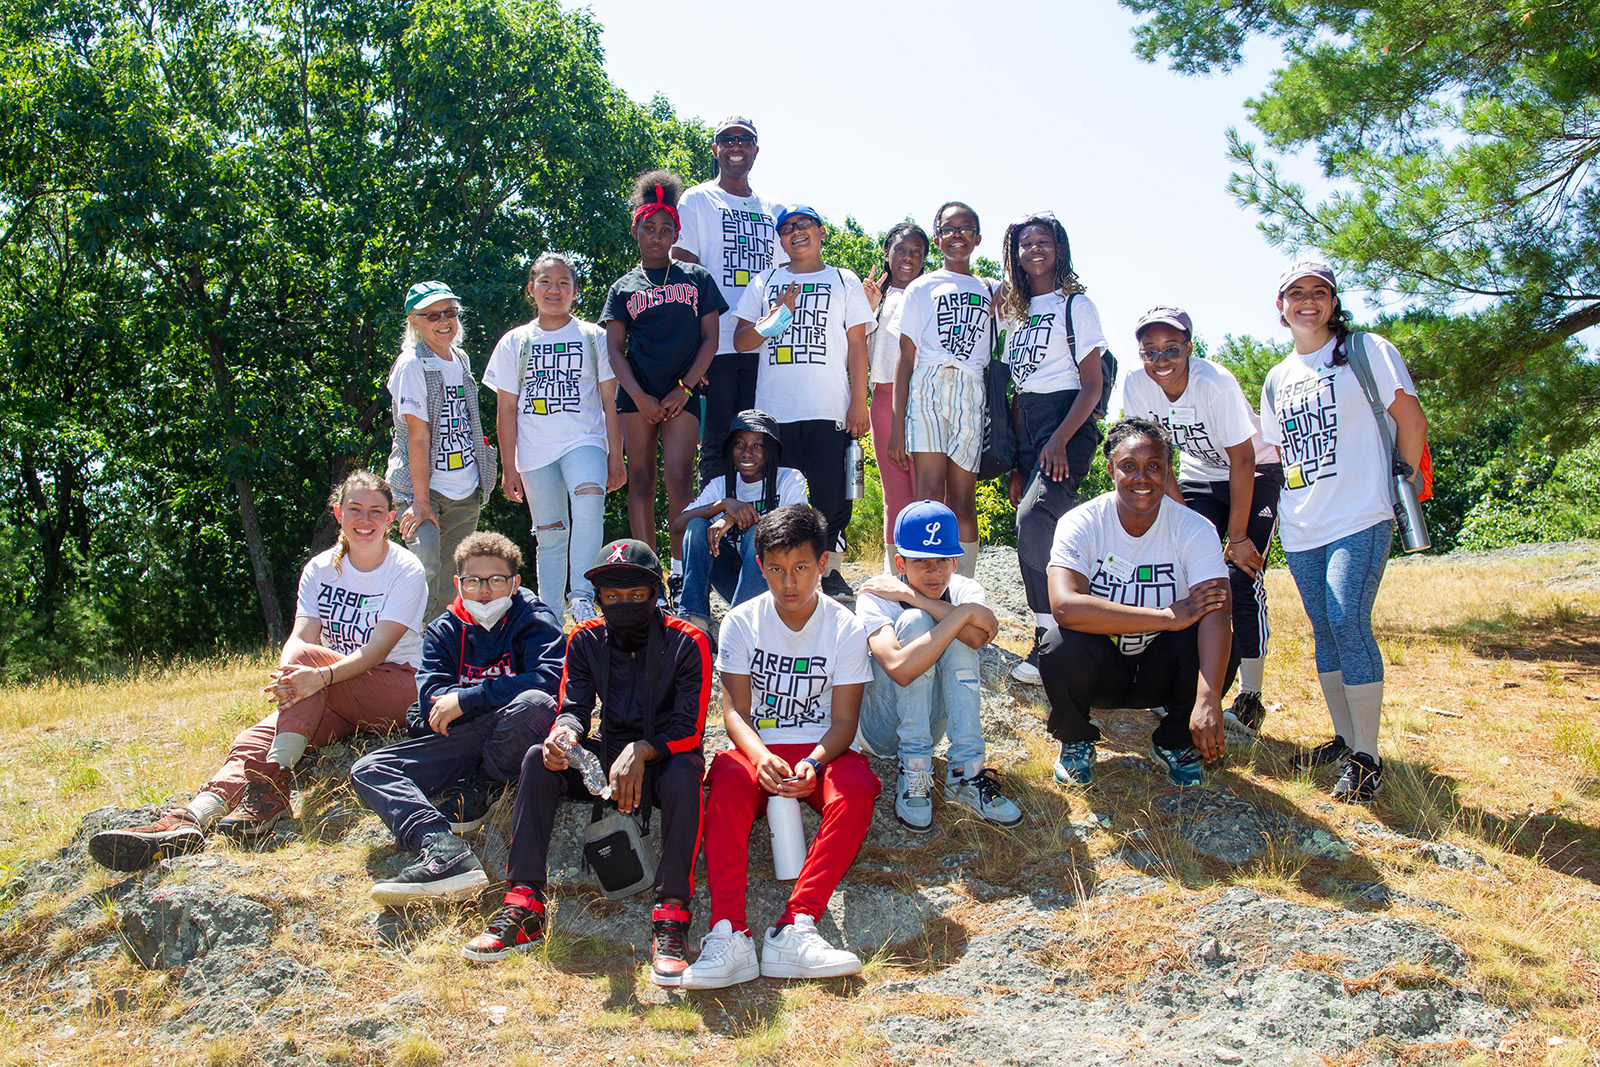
[1338,585]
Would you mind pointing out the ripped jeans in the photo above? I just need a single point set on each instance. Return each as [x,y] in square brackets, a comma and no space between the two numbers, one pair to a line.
[908,720]
[565,554]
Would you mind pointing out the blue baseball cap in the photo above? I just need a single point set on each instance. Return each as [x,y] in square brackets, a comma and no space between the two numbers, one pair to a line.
[927,530]
[798,209]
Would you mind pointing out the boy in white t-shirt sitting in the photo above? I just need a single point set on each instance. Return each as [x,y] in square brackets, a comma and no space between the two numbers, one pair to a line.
[924,625]
[719,551]
[793,666]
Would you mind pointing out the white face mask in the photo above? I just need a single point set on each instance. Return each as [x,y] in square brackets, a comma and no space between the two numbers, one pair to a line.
[488,614]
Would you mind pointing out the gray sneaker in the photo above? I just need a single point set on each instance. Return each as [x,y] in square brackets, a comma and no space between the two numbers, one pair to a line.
[445,869]
[913,794]
[981,795]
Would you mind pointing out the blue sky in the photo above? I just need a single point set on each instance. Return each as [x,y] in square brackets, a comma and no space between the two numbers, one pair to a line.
[884,111]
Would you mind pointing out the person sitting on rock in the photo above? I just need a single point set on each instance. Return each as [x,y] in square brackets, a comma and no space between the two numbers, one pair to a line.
[649,676]
[719,551]
[1137,566]
[793,663]
[491,665]
[349,664]
[924,626]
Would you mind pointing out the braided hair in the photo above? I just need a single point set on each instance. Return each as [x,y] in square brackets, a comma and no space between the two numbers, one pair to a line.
[771,452]
[1016,290]
[360,479]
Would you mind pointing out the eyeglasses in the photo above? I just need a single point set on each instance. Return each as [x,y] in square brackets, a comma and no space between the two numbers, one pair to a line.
[1161,355]
[497,583]
[435,316]
[804,222]
[955,231]
[736,140]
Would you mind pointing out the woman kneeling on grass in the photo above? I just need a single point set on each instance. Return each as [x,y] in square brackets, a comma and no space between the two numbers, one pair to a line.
[349,664]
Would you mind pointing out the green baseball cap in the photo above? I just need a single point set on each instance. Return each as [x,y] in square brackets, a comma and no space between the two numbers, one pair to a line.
[424,293]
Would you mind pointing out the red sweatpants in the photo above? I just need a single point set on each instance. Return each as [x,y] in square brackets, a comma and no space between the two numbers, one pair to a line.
[844,795]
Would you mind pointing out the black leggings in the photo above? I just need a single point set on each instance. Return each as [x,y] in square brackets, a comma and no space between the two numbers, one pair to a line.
[1212,500]
[1045,500]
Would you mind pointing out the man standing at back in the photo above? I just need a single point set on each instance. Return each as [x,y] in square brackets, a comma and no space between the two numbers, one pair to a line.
[731,232]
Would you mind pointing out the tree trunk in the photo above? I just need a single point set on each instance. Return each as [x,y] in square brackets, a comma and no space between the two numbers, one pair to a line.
[260,568]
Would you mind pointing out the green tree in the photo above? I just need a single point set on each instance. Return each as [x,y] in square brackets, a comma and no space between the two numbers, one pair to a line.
[1461,143]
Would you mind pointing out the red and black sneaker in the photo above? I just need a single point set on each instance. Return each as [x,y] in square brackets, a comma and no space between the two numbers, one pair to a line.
[517,927]
[669,950]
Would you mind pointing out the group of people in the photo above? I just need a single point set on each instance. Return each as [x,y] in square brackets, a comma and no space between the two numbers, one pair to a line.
[1149,596]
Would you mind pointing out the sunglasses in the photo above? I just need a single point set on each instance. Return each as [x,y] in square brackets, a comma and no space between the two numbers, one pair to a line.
[1161,355]
[435,316]
[736,140]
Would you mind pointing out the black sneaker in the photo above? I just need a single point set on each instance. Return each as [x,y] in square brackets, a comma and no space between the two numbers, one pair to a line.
[674,592]
[516,927]
[1027,670]
[1246,715]
[1324,754]
[835,585]
[1361,781]
[466,801]
[669,949]
[445,869]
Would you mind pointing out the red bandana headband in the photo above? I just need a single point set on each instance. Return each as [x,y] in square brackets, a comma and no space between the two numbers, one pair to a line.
[644,211]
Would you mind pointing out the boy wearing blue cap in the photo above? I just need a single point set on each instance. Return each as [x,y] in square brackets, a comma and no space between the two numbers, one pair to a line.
[924,627]
[807,322]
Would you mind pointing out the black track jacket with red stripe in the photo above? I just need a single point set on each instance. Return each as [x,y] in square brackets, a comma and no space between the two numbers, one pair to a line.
[681,690]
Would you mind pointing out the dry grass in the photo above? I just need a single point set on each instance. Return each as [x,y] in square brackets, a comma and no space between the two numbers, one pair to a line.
[1512,775]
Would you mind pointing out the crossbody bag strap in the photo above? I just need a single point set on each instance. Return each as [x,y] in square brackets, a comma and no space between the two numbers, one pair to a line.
[1362,365]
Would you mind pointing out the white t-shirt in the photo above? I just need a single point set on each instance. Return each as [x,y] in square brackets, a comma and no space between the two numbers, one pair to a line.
[1179,550]
[560,406]
[1210,417]
[350,603]
[883,344]
[733,237]
[1335,472]
[1037,349]
[875,612]
[947,315]
[453,473]
[804,371]
[792,673]
[791,489]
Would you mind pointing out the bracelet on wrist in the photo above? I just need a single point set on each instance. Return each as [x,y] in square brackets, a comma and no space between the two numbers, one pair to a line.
[1238,540]
[687,391]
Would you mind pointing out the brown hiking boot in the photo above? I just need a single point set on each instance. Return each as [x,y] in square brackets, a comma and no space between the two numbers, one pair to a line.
[176,833]
[266,796]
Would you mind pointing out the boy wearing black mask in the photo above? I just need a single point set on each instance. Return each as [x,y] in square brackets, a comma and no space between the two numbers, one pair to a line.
[642,658]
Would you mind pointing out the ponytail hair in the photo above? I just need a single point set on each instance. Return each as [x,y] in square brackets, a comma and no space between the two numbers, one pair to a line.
[359,479]
[662,187]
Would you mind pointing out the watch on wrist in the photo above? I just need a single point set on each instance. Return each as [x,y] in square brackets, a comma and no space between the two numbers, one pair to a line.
[816,764]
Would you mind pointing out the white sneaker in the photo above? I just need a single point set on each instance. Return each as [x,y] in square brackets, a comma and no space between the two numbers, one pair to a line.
[981,795]
[798,951]
[727,957]
[913,798]
[581,608]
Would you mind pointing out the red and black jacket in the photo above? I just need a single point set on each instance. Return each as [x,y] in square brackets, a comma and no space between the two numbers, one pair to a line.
[680,692]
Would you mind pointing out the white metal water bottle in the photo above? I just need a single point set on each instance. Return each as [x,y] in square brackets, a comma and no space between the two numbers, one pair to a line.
[855,471]
[788,837]
[1408,510]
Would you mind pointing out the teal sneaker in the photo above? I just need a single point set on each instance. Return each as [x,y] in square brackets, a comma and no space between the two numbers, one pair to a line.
[1184,766]
[1075,765]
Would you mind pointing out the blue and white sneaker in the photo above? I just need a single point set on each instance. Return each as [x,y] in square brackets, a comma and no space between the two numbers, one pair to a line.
[1075,765]
[1184,765]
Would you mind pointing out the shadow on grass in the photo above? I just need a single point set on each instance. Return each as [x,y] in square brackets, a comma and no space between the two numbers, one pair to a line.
[1560,636]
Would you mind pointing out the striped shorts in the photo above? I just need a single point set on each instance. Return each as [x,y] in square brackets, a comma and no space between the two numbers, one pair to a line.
[945,413]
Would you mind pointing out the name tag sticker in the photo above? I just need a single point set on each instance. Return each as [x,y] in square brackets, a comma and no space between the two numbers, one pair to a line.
[1182,416]
[1120,569]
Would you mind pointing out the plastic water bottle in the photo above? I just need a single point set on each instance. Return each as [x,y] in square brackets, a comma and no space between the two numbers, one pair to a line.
[788,837]
[588,765]
[855,471]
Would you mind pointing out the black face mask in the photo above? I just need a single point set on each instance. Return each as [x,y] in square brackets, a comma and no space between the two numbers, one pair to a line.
[629,623]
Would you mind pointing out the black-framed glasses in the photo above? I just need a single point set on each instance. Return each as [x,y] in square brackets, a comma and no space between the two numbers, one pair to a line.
[1169,354]
[804,222]
[435,316]
[497,583]
[736,140]
[955,231]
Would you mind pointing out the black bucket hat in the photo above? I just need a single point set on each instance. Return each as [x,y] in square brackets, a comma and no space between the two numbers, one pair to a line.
[758,422]
[625,563]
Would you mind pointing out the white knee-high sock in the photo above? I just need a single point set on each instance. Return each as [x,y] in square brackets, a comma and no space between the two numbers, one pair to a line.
[969,559]
[207,808]
[287,748]
[1366,709]
[1333,690]
[1252,672]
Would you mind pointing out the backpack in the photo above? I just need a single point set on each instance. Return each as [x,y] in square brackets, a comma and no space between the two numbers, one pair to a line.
[999,453]
[1108,366]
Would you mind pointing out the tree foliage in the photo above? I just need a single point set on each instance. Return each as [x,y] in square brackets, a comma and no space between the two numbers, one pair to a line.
[1461,141]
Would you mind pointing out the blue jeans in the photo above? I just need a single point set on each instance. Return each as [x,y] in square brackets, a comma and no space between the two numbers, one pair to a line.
[733,572]
[908,720]
[564,556]
[1338,585]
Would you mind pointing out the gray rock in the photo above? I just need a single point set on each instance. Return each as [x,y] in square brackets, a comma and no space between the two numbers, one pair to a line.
[1234,830]
[231,990]
[1454,857]
[1381,896]
[1128,885]
[174,924]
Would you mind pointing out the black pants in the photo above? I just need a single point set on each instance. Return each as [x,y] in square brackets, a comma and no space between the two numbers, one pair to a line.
[1045,500]
[1212,499]
[675,784]
[816,448]
[1084,671]
[730,388]
[397,780]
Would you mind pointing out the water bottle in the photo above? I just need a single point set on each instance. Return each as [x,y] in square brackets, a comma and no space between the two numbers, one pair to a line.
[586,764]
[788,837]
[1408,510]
[855,471]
